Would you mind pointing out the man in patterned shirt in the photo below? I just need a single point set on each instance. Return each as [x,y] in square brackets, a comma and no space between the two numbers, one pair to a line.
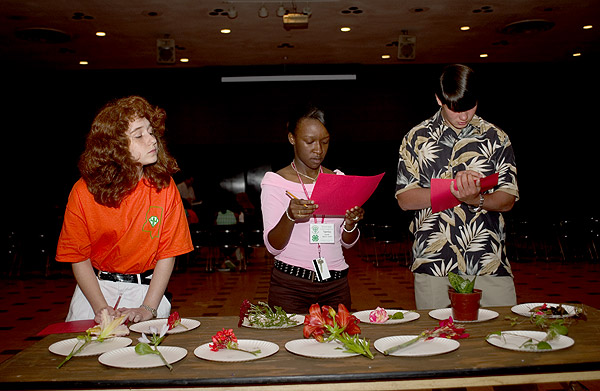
[468,239]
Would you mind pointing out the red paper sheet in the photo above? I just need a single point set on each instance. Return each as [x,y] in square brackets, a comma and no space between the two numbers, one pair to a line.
[335,194]
[442,198]
[77,326]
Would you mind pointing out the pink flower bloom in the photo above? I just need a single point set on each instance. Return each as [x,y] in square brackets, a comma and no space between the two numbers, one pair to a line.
[379,315]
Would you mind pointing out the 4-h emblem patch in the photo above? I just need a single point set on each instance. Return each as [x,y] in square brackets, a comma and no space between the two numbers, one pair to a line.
[153,219]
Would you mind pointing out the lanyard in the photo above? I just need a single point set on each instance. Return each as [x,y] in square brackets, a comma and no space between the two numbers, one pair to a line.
[307,197]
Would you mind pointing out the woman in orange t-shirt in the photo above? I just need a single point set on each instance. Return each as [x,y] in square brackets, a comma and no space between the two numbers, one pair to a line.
[124,222]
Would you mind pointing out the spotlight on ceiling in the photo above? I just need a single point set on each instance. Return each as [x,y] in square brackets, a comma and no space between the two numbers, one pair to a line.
[295,20]
[263,12]
[232,13]
[281,11]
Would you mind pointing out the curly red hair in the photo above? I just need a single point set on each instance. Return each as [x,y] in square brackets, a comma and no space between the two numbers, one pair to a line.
[106,165]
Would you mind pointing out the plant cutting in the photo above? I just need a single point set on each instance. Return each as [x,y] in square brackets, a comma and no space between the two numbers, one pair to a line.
[446,329]
[175,320]
[150,345]
[325,325]
[226,339]
[380,315]
[261,315]
[464,298]
[109,327]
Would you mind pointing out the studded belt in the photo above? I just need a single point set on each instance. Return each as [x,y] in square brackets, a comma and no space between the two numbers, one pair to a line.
[142,278]
[307,274]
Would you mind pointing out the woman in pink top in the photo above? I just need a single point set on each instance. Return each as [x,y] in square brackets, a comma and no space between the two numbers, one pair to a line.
[309,262]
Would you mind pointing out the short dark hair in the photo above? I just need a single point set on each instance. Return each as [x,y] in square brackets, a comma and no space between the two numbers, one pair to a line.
[458,88]
[304,112]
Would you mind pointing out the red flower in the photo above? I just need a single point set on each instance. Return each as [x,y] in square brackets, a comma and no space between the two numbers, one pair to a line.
[244,308]
[222,339]
[348,323]
[174,320]
[321,320]
[446,329]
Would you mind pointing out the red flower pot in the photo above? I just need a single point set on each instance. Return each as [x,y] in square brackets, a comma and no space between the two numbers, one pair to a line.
[465,306]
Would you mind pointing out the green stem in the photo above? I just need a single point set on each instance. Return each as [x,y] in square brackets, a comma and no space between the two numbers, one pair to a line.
[73,353]
[403,345]
[162,358]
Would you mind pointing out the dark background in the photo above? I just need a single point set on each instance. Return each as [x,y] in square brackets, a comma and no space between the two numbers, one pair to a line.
[228,134]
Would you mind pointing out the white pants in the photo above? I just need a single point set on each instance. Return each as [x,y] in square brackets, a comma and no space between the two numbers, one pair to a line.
[431,292]
[132,296]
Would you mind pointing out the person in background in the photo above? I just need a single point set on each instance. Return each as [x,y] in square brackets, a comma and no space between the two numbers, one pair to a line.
[124,222]
[468,239]
[186,189]
[288,216]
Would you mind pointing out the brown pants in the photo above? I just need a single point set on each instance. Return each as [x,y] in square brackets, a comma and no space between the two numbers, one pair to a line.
[295,295]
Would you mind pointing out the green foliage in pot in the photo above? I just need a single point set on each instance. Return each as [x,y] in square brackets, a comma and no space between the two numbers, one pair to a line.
[460,284]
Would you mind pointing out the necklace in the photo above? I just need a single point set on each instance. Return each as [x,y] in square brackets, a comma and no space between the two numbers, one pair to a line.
[304,175]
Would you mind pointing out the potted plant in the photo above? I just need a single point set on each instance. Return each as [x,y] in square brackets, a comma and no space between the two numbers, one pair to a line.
[464,298]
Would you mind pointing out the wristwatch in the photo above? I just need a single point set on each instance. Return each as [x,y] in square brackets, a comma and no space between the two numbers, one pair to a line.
[152,310]
[479,207]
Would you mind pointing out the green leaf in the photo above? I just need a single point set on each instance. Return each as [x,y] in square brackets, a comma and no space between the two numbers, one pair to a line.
[543,345]
[460,284]
[498,333]
[397,315]
[143,348]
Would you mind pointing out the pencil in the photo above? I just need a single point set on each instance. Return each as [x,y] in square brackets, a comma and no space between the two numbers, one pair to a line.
[294,197]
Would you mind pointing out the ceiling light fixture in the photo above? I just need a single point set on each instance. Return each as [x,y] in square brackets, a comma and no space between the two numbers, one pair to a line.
[100,34]
[184,59]
[465,28]
[225,31]
[386,56]
[345,29]
[587,27]
[238,79]
[263,12]
[281,11]
[83,62]
[577,54]
[483,55]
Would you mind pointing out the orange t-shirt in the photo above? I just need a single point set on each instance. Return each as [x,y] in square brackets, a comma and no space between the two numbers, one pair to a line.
[148,226]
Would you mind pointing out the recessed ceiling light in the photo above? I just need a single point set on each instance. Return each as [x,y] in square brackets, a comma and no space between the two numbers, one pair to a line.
[345,29]
[100,34]
[225,31]
[83,62]
[184,59]
[465,28]
[577,54]
[385,56]
[483,55]
[587,27]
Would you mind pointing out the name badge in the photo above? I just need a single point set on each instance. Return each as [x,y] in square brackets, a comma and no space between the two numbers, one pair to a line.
[321,233]
[321,269]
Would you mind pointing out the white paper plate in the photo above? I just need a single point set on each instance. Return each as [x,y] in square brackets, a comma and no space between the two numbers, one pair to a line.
[363,316]
[524,309]
[312,348]
[482,316]
[512,340]
[229,355]
[420,348]
[297,318]
[144,327]
[94,348]
[128,358]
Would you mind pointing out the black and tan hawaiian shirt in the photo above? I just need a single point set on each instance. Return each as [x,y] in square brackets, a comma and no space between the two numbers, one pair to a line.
[457,239]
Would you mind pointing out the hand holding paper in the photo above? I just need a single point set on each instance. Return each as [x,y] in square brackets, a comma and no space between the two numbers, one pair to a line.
[442,198]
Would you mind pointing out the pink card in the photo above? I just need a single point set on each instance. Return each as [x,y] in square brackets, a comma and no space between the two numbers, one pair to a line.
[335,194]
[77,326]
[442,198]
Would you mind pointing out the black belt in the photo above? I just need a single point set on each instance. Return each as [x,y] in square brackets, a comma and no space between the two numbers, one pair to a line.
[132,278]
[307,274]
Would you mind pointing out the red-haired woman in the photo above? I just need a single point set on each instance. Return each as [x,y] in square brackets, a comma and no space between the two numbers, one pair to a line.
[124,222]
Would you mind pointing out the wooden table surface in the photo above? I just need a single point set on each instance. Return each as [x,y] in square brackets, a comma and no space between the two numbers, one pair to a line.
[475,363]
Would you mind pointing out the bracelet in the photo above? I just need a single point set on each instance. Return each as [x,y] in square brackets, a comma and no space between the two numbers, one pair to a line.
[479,207]
[150,309]
[288,215]
[349,230]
